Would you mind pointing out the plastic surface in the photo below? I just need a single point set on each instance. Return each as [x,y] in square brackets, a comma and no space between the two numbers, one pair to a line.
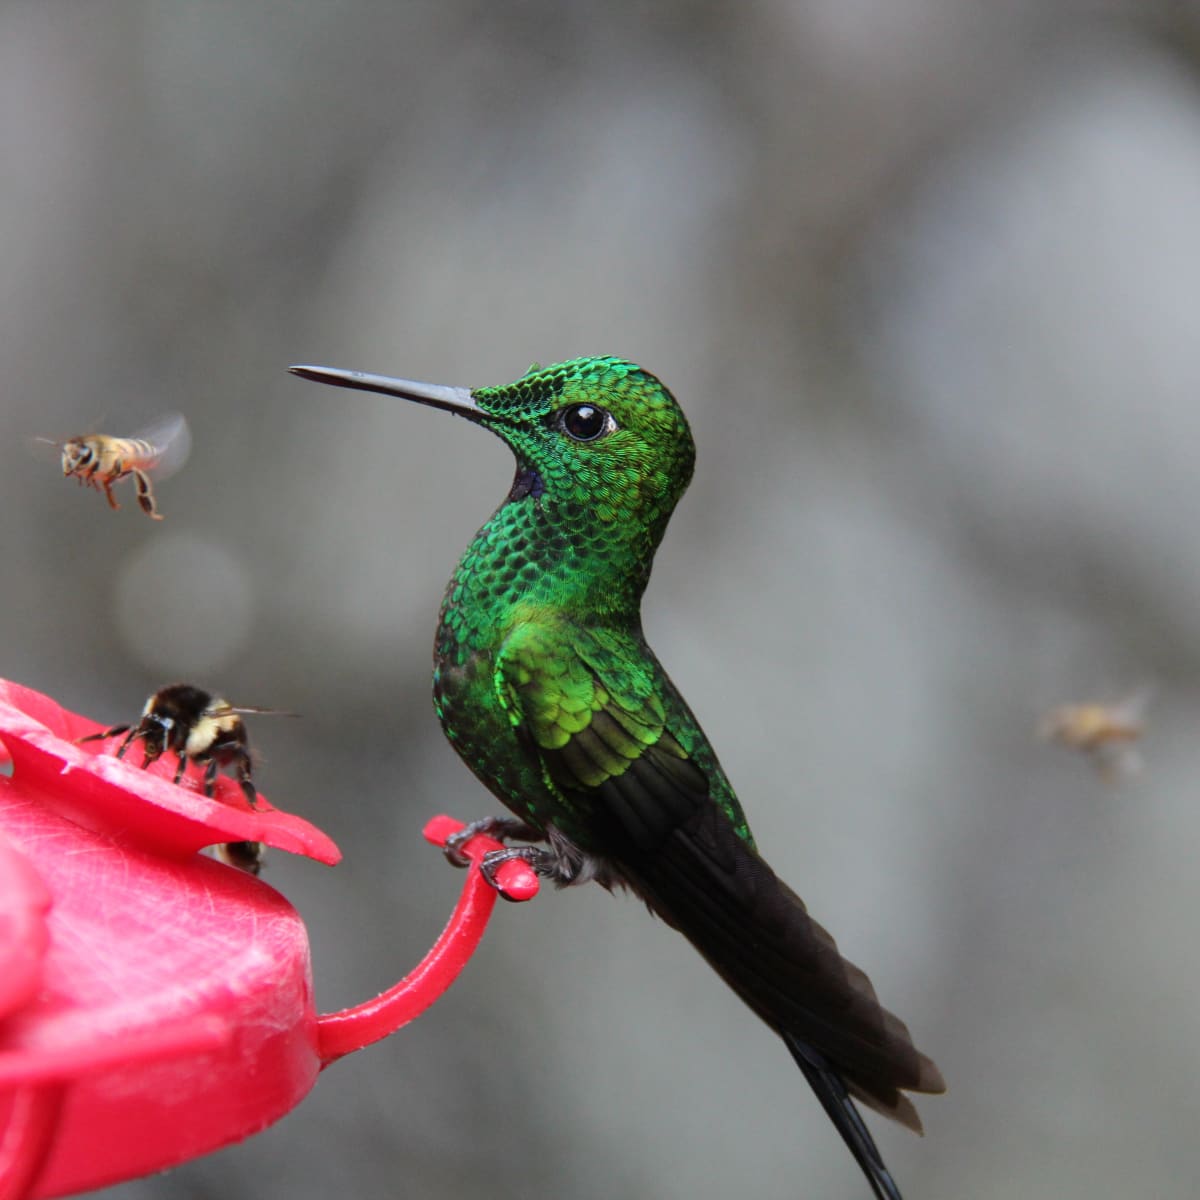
[349,1030]
[156,1004]
[24,902]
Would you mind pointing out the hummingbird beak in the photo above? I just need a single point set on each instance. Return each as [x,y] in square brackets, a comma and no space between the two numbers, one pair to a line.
[452,399]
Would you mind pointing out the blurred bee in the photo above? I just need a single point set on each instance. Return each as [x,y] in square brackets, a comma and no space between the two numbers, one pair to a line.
[199,728]
[246,856]
[98,460]
[1106,733]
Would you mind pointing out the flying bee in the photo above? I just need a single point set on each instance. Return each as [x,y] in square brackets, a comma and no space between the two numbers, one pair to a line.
[1107,733]
[99,460]
[197,727]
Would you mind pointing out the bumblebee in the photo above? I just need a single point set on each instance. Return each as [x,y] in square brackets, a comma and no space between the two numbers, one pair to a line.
[99,460]
[200,728]
[246,856]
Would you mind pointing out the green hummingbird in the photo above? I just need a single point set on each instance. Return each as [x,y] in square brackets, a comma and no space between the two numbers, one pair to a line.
[545,685]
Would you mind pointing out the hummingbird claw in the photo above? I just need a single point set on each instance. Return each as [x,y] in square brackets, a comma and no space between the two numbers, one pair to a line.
[454,855]
[541,862]
[493,827]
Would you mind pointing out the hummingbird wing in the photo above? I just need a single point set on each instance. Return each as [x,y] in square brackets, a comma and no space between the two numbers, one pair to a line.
[633,770]
[601,735]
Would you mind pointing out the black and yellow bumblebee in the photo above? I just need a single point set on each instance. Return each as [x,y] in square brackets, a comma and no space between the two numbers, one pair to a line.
[200,728]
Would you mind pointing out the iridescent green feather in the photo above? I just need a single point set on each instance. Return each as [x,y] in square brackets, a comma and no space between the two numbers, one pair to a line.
[595,704]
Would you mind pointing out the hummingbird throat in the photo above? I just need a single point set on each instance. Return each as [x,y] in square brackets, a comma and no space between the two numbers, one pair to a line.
[527,482]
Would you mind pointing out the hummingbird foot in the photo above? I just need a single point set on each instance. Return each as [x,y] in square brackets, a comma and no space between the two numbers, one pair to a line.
[499,828]
[544,863]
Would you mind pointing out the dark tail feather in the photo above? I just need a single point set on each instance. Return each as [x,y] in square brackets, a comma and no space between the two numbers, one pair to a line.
[711,885]
[831,1091]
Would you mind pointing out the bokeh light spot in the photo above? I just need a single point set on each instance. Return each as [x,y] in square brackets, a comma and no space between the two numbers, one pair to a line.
[184,605]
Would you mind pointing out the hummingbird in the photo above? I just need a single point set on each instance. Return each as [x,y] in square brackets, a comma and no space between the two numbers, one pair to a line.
[546,687]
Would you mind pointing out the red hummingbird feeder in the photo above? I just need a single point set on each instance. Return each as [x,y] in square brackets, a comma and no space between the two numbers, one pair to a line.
[156,1004]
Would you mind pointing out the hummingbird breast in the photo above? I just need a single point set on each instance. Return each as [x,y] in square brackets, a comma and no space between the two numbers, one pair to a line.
[541,570]
[488,595]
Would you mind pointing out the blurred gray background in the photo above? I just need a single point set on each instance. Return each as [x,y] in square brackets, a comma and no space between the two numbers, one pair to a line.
[923,274]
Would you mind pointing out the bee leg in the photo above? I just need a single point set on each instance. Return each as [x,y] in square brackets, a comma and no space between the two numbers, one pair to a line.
[145,495]
[107,485]
[247,784]
[180,767]
[210,777]
[127,741]
[107,733]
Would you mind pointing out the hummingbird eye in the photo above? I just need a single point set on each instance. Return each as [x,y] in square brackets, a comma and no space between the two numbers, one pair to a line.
[586,422]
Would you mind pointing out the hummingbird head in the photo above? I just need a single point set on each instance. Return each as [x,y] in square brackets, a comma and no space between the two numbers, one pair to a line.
[597,435]
[597,432]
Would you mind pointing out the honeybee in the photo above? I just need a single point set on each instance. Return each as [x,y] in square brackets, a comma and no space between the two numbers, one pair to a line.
[99,460]
[197,727]
[1106,733]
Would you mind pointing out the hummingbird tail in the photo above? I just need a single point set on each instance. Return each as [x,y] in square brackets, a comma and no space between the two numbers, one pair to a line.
[711,885]
[835,1099]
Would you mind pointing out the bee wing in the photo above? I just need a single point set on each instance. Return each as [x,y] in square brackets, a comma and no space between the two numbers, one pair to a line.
[172,442]
[263,712]
[1132,708]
